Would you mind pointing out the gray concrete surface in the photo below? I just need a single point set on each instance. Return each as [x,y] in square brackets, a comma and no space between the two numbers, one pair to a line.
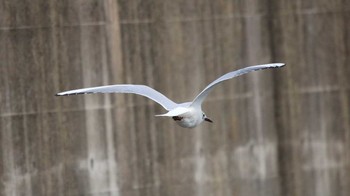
[277,132]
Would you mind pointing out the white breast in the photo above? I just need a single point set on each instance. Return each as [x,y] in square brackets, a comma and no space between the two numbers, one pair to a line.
[190,119]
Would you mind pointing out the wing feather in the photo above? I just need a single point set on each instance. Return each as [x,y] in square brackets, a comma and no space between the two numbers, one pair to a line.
[197,102]
[126,88]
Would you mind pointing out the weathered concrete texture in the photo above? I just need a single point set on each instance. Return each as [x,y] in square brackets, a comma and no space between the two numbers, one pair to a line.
[313,98]
[276,132]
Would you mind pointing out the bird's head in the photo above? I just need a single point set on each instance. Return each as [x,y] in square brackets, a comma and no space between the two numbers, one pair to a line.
[204,117]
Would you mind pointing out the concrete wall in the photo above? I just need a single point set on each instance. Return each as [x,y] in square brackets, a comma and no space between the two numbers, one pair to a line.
[276,132]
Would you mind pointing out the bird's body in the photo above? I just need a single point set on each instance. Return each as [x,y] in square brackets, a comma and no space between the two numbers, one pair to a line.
[190,119]
[188,114]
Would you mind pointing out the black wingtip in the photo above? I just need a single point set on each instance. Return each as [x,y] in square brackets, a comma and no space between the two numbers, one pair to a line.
[279,64]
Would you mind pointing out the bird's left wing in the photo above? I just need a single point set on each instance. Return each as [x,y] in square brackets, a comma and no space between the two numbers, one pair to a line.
[200,98]
[126,88]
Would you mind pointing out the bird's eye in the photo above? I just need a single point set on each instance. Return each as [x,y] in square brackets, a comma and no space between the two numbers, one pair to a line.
[203,115]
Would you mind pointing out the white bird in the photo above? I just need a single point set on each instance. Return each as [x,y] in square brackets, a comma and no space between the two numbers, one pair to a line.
[188,114]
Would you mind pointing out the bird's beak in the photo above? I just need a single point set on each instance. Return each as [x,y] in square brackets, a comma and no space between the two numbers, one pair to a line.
[207,119]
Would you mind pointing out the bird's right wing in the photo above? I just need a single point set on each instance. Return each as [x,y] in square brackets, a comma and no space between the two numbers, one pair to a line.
[126,88]
[200,98]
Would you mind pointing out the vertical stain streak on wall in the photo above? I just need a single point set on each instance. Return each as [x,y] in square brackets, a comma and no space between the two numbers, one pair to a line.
[9,180]
[28,169]
[322,185]
[255,49]
[114,59]
[199,172]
